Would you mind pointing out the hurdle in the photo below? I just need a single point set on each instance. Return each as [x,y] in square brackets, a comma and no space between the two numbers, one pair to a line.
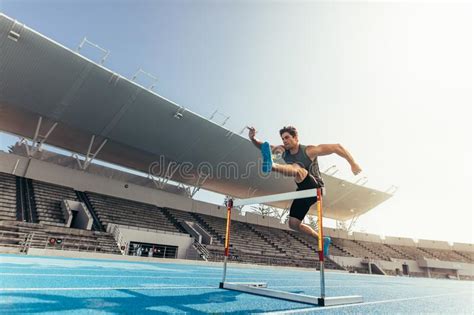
[261,288]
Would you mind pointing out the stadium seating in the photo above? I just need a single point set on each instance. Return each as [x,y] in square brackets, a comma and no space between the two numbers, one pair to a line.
[446,255]
[249,243]
[356,249]
[19,234]
[127,212]
[409,252]
[48,199]
[7,197]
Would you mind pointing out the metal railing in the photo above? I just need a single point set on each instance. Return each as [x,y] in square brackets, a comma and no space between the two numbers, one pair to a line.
[123,244]
[204,253]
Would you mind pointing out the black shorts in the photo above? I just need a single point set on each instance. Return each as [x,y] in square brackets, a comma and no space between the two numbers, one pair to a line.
[300,207]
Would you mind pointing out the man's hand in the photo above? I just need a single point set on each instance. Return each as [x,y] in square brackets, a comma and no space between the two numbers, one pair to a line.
[252,132]
[355,168]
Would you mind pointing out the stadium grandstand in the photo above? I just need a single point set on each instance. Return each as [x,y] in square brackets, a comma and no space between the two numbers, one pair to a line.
[54,204]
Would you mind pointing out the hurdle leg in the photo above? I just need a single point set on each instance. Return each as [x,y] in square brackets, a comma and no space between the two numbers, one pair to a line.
[323,300]
[230,203]
[321,244]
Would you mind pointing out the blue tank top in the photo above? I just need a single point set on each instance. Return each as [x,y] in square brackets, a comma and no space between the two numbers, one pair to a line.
[302,159]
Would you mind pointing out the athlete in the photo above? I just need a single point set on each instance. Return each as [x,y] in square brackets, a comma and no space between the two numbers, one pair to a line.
[302,164]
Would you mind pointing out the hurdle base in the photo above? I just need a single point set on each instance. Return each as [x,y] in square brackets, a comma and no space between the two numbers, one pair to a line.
[260,288]
[340,300]
[250,284]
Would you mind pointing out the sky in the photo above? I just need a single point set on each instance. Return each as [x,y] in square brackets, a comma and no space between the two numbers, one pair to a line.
[390,81]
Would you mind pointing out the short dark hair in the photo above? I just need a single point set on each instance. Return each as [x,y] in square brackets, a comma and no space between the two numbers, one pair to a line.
[290,129]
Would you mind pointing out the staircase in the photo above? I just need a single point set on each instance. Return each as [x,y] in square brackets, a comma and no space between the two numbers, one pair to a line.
[265,238]
[96,224]
[430,255]
[213,232]
[374,268]
[463,255]
[197,252]
[402,254]
[313,246]
[173,220]
[380,256]
[26,206]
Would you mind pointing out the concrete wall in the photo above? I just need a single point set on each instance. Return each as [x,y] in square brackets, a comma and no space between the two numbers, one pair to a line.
[466,269]
[83,218]
[67,212]
[433,244]
[367,237]
[183,241]
[398,263]
[402,241]
[348,261]
[463,247]
[387,265]
[433,263]
[12,164]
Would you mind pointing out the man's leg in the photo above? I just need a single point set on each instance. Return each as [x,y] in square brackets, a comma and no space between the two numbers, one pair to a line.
[294,170]
[298,225]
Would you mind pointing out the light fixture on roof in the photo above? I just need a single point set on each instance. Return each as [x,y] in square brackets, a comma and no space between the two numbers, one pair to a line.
[179,113]
[392,190]
[14,35]
[149,75]
[104,51]
[333,172]
[362,181]
[224,116]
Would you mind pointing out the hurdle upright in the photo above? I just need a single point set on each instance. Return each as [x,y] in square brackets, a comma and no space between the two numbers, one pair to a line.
[260,288]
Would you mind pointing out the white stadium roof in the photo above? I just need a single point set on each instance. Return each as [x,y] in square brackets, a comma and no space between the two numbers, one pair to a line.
[41,78]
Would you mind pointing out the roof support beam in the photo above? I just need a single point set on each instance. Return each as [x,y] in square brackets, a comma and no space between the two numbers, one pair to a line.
[38,140]
[90,156]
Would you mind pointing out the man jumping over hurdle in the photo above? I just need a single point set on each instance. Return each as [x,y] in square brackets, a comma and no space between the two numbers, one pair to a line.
[302,164]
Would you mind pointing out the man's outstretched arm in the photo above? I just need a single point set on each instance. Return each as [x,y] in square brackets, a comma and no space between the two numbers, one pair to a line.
[258,143]
[326,149]
[255,141]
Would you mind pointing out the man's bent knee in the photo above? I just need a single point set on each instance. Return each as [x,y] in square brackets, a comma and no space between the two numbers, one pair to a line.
[302,173]
[294,224]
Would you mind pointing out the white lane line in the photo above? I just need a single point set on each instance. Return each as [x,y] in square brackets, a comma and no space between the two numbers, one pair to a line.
[230,277]
[316,309]
[234,277]
[2,290]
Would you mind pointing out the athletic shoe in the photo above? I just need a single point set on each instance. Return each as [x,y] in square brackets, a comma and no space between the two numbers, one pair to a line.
[327,242]
[267,157]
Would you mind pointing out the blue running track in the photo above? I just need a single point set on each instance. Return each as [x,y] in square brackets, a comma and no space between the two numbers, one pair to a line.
[52,285]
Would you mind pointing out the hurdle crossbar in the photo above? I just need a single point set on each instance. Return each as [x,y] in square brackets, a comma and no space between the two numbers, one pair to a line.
[260,288]
[278,197]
